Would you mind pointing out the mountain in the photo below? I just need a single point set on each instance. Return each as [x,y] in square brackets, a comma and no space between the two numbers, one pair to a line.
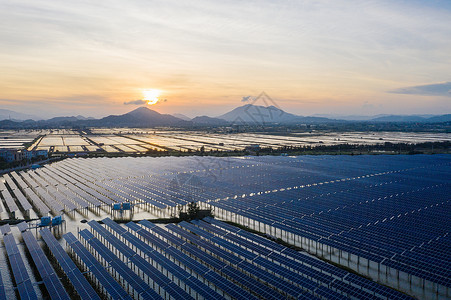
[62,119]
[80,117]
[440,119]
[182,116]
[399,118]
[348,117]
[140,117]
[205,120]
[414,118]
[259,115]
[244,115]
[6,114]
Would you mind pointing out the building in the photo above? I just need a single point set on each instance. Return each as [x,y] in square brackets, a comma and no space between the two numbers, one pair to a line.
[12,155]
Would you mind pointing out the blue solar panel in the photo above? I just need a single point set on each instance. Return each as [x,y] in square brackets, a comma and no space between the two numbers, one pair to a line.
[183,233]
[111,239]
[199,287]
[228,287]
[148,236]
[147,224]
[250,283]
[241,278]
[113,225]
[390,210]
[148,268]
[21,277]
[110,285]
[22,226]
[26,291]
[329,294]
[120,267]
[187,261]
[81,285]
[5,229]
[275,281]
[53,285]
[2,289]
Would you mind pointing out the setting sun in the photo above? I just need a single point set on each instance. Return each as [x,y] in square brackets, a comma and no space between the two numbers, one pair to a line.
[151,96]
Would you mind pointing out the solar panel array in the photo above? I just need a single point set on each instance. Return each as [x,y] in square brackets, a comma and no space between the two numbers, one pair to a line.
[383,214]
[19,271]
[45,269]
[205,259]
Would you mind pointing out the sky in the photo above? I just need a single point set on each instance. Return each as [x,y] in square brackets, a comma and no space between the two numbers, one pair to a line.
[339,57]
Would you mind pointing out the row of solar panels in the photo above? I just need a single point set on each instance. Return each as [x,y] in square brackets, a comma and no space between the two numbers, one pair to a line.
[128,183]
[205,259]
[341,201]
[370,225]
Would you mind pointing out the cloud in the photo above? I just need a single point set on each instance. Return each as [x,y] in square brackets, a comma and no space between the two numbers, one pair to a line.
[142,101]
[246,99]
[135,102]
[436,89]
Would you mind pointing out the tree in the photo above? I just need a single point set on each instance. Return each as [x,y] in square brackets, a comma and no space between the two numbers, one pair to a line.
[193,210]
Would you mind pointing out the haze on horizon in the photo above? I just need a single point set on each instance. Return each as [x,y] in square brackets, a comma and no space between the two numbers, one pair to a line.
[311,57]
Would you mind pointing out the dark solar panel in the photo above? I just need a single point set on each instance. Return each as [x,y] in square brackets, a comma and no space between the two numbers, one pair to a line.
[20,273]
[53,285]
[110,285]
[2,289]
[81,285]
[120,267]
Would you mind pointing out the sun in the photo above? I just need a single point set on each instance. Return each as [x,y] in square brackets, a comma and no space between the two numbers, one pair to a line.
[151,96]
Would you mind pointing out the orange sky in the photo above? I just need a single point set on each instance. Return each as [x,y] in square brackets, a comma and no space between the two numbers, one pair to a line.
[310,57]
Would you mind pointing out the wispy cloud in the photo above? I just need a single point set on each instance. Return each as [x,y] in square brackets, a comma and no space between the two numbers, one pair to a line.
[135,102]
[436,89]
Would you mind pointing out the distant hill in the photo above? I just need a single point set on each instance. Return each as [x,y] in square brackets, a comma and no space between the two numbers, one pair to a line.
[181,116]
[205,120]
[67,119]
[440,119]
[348,117]
[394,118]
[413,118]
[255,114]
[140,117]
[244,115]
[6,114]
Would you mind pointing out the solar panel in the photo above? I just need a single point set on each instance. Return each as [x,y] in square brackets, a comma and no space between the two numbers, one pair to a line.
[111,239]
[48,275]
[22,226]
[26,291]
[5,229]
[365,206]
[81,285]
[199,287]
[2,289]
[145,266]
[110,285]
[22,200]
[121,268]
[228,287]
[20,273]
[11,204]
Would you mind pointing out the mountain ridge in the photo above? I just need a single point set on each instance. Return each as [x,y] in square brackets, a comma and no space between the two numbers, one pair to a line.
[247,114]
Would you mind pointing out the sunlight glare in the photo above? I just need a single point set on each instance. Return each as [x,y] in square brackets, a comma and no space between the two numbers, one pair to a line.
[151,96]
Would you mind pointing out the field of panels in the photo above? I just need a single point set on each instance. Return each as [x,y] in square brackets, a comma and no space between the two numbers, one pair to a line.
[14,139]
[386,217]
[204,259]
[135,141]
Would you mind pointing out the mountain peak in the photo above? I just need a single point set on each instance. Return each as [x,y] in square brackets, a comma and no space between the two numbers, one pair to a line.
[141,110]
[140,117]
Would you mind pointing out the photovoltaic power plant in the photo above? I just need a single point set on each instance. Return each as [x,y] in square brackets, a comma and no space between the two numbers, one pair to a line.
[203,259]
[384,217]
